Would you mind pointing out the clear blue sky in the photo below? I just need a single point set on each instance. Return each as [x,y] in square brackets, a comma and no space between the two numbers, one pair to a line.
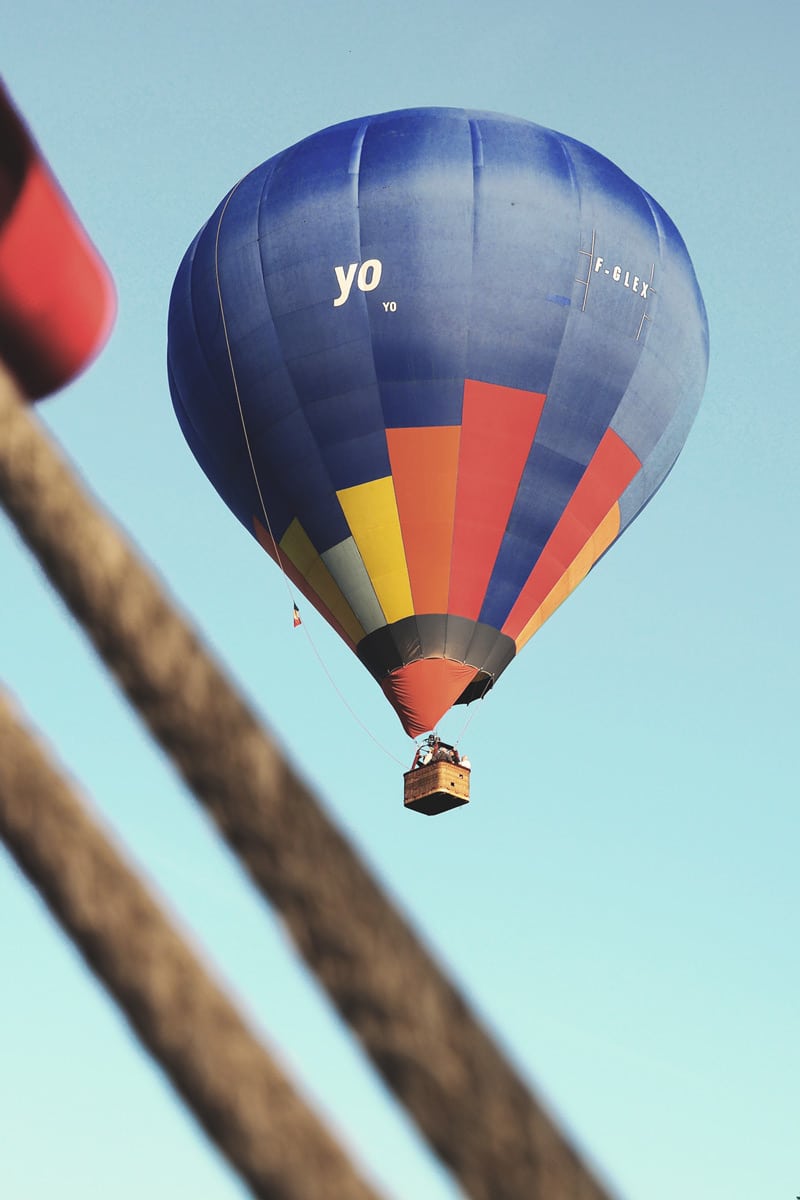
[621,898]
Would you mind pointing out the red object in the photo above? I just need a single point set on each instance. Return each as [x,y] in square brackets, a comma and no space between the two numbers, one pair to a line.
[609,472]
[57,301]
[424,465]
[423,691]
[498,428]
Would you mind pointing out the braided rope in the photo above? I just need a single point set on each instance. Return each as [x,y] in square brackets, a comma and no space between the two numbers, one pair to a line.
[468,1101]
[183,1017]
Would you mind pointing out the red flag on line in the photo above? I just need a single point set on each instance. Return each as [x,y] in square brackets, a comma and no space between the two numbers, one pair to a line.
[296,620]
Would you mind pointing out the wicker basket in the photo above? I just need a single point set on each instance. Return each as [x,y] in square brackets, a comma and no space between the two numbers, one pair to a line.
[436,788]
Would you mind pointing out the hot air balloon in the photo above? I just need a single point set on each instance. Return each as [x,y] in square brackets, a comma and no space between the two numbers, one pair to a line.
[436,361]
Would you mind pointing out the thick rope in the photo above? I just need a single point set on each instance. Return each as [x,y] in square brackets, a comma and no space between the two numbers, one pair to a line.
[467,1100]
[182,1016]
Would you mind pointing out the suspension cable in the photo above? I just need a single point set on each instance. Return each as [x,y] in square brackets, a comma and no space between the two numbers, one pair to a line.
[268,524]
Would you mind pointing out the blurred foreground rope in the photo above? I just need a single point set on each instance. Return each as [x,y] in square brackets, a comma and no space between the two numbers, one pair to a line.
[240,1096]
[470,1104]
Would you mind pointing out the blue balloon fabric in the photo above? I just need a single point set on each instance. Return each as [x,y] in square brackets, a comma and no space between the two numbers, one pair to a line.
[436,361]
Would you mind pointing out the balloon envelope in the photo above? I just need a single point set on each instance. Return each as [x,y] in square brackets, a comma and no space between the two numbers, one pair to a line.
[436,361]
